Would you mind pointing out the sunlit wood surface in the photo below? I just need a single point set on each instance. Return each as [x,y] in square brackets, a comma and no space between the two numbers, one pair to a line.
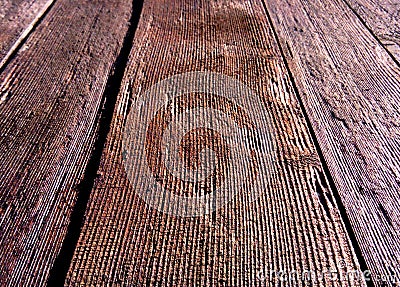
[325,83]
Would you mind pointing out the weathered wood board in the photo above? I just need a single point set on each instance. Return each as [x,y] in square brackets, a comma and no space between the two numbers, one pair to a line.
[17,20]
[350,89]
[293,225]
[383,18]
[51,95]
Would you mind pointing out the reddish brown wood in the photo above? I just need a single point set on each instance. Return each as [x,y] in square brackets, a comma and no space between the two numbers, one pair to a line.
[294,224]
[350,88]
[383,18]
[52,92]
[18,18]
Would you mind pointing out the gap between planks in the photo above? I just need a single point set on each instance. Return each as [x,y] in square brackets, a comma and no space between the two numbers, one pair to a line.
[60,267]
[335,192]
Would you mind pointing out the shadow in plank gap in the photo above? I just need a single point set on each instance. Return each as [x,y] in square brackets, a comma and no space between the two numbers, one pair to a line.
[62,262]
[54,89]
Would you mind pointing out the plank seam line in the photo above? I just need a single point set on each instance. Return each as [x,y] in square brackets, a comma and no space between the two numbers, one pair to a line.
[25,35]
[59,270]
[340,205]
[372,32]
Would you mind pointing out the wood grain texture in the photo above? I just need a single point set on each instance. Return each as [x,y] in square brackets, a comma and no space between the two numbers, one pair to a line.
[350,88]
[17,19]
[52,92]
[383,18]
[293,225]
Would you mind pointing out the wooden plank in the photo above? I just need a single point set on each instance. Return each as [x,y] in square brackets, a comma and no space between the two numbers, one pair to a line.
[383,18]
[293,225]
[51,95]
[17,20]
[349,86]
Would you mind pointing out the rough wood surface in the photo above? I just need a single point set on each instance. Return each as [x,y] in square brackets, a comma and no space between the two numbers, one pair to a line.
[17,19]
[51,94]
[350,88]
[293,225]
[383,18]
